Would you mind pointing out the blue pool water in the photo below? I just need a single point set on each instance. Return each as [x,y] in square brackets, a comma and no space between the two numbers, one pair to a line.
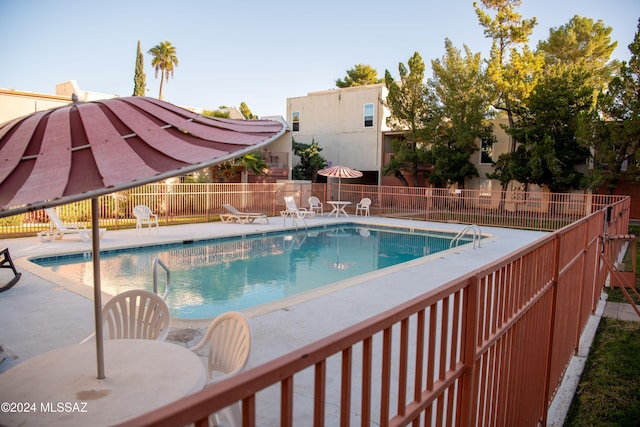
[210,277]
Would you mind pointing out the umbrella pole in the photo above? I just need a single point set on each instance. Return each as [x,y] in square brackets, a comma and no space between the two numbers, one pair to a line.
[97,292]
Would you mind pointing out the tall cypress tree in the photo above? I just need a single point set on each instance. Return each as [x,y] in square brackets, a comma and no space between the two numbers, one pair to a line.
[139,79]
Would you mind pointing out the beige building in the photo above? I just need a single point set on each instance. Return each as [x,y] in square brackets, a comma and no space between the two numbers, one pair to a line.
[15,103]
[350,126]
[486,155]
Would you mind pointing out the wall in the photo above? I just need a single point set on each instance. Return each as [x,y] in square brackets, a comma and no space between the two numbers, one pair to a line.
[501,146]
[631,189]
[335,120]
[70,87]
[14,104]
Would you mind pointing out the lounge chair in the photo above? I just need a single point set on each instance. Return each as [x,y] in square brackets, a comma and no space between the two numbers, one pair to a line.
[7,262]
[315,205]
[294,212]
[229,341]
[234,215]
[58,229]
[145,216]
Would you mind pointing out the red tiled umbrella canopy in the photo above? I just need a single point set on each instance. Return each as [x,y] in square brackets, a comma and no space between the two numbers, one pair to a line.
[82,151]
[340,172]
[85,150]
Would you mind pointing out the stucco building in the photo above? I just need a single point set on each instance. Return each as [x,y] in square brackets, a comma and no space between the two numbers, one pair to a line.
[17,103]
[350,126]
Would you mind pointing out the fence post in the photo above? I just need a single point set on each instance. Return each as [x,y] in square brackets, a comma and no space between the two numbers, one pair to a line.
[427,202]
[552,324]
[469,326]
[583,273]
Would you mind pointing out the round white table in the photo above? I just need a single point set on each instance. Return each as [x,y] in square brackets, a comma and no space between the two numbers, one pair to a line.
[60,387]
[338,207]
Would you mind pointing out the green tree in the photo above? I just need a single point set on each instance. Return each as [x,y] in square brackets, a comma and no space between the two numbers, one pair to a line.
[216,113]
[582,43]
[512,166]
[458,116]
[359,75]
[550,149]
[616,127]
[164,61]
[407,104]
[513,68]
[231,170]
[310,160]
[139,78]
[246,112]
[576,59]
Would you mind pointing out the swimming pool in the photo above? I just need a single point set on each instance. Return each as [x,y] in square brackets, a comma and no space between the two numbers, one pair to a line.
[209,277]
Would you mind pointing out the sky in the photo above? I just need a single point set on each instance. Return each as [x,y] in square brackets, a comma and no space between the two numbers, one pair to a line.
[257,52]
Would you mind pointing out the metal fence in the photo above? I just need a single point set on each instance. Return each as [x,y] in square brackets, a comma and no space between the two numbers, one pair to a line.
[486,349]
[178,203]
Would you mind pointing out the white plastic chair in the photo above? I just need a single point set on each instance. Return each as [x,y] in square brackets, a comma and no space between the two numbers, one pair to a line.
[229,341]
[136,314]
[316,205]
[294,212]
[363,206]
[145,216]
[364,232]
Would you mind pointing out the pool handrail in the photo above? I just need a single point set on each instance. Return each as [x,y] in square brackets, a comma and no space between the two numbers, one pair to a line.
[156,262]
[476,233]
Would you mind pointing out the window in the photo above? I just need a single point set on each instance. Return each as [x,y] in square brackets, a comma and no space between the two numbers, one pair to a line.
[368,115]
[295,119]
[486,152]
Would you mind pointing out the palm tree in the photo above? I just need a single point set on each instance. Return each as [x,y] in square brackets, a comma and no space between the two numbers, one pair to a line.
[164,60]
[233,169]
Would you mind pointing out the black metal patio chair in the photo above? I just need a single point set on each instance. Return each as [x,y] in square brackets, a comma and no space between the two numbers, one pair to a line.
[7,262]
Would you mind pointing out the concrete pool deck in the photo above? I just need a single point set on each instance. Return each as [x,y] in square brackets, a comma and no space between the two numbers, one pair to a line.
[43,312]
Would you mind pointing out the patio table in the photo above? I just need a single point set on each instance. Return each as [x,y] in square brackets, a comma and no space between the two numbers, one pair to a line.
[338,207]
[60,387]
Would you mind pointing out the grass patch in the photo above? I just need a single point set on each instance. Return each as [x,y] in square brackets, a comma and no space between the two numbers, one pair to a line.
[609,390]
[616,295]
